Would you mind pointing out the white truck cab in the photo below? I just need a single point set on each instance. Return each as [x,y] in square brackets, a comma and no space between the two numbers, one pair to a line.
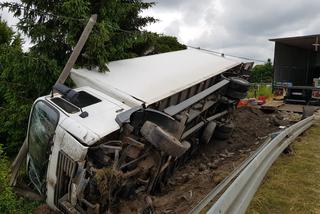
[124,132]
[58,125]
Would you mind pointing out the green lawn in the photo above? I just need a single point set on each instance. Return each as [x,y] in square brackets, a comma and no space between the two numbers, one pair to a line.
[262,90]
[292,185]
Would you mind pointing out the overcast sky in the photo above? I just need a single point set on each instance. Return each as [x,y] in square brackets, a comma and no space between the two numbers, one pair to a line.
[239,27]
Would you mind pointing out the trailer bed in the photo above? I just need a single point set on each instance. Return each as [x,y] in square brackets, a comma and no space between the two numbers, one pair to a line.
[150,79]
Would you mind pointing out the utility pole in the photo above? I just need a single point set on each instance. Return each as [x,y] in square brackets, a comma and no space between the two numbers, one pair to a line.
[62,78]
[77,49]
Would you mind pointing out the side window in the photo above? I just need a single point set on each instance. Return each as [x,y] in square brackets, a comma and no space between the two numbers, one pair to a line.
[43,122]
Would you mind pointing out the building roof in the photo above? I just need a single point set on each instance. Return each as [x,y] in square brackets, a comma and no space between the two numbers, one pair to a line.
[305,42]
[150,79]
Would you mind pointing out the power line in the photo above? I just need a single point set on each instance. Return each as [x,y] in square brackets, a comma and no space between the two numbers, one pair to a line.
[230,55]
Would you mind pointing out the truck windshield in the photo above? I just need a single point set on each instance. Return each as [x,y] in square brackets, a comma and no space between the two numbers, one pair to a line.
[42,127]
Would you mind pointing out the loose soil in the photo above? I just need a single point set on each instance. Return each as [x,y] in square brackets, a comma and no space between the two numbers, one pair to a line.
[212,163]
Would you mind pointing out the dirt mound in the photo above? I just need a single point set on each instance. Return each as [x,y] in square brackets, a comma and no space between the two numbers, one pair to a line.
[214,161]
[252,124]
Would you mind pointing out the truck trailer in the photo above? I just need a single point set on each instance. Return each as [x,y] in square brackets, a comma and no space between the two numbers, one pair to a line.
[297,69]
[125,132]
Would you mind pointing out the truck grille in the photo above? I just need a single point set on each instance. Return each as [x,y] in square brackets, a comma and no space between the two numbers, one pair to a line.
[66,168]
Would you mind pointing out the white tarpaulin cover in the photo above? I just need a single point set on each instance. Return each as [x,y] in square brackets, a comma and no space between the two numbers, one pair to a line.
[153,78]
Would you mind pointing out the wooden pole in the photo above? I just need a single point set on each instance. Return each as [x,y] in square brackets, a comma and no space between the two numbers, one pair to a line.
[62,78]
[15,166]
[77,49]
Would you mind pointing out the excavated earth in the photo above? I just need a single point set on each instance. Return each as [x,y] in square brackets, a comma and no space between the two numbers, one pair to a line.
[210,165]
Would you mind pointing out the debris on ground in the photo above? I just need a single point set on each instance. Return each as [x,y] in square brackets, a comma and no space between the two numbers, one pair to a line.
[291,116]
[212,163]
[44,209]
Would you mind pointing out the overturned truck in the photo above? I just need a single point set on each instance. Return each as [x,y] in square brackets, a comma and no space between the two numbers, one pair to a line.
[125,132]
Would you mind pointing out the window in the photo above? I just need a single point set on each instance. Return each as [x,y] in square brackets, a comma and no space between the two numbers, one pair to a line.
[69,108]
[85,99]
[43,122]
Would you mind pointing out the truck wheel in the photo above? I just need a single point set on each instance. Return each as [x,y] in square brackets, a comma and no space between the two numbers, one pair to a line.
[208,132]
[239,84]
[222,135]
[225,128]
[224,131]
[163,140]
[236,94]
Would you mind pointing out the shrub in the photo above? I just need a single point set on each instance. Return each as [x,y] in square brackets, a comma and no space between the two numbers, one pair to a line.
[262,90]
[9,201]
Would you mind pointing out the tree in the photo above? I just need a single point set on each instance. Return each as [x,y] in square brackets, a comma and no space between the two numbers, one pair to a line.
[23,78]
[55,26]
[262,73]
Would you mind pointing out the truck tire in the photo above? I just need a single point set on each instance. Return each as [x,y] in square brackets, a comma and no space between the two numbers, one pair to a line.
[225,128]
[236,94]
[208,132]
[224,131]
[163,141]
[222,135]
[239,84]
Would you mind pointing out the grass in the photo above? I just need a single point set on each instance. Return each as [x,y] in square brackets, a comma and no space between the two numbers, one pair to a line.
[9,201]
[262,90]
[292,185]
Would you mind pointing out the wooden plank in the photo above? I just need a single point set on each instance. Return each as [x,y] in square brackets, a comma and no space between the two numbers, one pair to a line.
[292,108]
[273,105]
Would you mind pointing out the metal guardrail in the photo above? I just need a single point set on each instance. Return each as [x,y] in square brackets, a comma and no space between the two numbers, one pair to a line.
[234,193]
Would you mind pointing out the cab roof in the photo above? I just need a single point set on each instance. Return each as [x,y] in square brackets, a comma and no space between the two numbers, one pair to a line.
[152,78]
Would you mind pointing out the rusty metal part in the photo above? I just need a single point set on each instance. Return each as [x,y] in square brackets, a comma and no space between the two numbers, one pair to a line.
[147,163]
[192,130]
[112,148]
[166,164]
[217,116]
[148,208]
[163,140]
[93,208]
[208,132]
[134,161]
[133,152]
[198,126]
[116,159]
[131,173]
[133,142]
[153,179]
